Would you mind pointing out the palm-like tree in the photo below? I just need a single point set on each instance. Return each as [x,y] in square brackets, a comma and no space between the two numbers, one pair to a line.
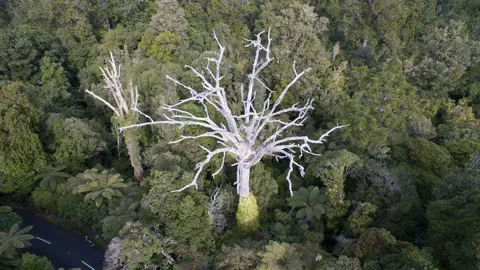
[51,176]
[97,185]
[310,202]
[14,239]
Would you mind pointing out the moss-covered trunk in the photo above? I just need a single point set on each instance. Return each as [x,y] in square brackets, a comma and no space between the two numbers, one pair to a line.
[131,140]
[247,212]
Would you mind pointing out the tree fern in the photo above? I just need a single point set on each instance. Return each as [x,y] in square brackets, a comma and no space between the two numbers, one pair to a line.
[309,202]
[51,176]
[98,186]
[14,239]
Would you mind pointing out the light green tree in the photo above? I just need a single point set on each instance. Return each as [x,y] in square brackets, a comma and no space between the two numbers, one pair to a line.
[21,152]
[99,186]
[34,262]
[61,131]
[167,31]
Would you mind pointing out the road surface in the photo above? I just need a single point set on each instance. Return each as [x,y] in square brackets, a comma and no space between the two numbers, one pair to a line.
[62,247]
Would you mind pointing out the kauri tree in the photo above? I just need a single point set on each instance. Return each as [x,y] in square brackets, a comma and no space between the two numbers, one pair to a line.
[247,134]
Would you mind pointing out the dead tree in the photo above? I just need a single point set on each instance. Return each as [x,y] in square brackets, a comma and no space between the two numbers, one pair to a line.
[124,110]
[239,135]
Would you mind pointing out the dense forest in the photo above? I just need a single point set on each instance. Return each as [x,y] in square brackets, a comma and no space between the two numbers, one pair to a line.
[123,114]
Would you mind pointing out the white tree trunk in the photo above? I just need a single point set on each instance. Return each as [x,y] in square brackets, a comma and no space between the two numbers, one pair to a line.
[243,180]
[257,131]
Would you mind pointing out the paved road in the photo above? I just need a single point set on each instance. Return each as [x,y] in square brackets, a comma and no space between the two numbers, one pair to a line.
[62,247]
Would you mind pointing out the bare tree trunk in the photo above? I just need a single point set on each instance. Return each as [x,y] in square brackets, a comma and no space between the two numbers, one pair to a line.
[248,212]
[243,180]
[256,132]
[131,141]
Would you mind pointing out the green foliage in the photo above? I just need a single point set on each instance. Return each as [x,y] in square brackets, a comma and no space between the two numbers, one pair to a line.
[51,176]
[403,74]
[34,262]
[54,83]
[453,220]
[340,263]
[183,216]
[236,258]
[426,161]
[62,131]
[402,255]
[43,199]
[462,151]
[277,256]
[9,264]
[98,185]
[248,214]
[22,50]
[393,191]
[166,34]
[14,239]
[333,169]
[21,152]
[378,104]
[334,166]
[281,255]
[371,244]
[118,216]
[142,246]
[73,207]
[309,202]
[361,218]
[162,46]
[446,54]
[263,185]
[388,26]
[8,218]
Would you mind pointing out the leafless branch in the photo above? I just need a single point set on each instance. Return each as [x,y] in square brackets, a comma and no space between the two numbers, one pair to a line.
[239,136]
[112,78]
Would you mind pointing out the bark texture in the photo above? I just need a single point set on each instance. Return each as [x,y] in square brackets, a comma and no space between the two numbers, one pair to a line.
[131,141]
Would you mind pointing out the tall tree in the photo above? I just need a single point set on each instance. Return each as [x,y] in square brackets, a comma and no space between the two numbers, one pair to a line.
[21,152]
[256,131]
[124,109]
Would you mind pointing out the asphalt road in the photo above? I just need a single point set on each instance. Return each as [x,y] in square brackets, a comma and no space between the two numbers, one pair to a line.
[62,247]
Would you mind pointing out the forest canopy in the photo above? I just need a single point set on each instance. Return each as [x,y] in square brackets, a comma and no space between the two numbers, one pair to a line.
[245,134]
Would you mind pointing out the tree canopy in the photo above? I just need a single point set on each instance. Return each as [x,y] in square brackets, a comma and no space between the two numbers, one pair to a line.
[292,134]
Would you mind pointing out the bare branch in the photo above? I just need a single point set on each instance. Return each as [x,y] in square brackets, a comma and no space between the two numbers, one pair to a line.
[112,78]
[204,135]
[104,102]
[239,134]
[200,165]
[221,166]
